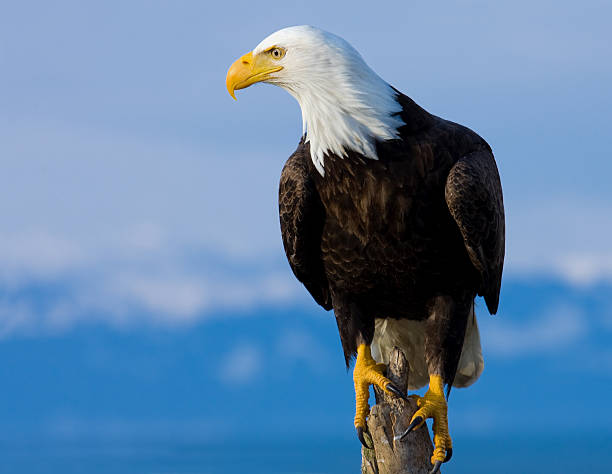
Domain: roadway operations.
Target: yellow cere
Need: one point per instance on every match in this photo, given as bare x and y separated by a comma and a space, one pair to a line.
249, 69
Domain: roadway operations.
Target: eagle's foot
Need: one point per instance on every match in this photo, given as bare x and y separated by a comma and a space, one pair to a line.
433, 405
367, 372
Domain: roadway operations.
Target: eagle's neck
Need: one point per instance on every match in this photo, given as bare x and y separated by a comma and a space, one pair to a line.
346, 110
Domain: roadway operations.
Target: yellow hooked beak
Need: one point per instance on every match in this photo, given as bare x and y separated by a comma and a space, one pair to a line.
248, 70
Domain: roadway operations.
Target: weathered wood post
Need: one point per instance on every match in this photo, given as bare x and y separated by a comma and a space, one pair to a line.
390, 417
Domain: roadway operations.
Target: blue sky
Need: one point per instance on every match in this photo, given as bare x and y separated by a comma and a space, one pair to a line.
128, 171
138, 198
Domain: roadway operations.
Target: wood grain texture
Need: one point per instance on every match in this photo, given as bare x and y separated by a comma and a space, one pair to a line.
389, 417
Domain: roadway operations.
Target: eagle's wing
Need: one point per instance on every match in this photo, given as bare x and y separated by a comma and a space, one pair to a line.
474, 197
302, 217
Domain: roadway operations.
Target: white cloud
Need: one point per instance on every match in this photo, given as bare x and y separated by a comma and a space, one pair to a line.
242, 364
180, 296
566, 237
586, 268
14, 316
300, 345
36, 254
50, 283
124, 297
559, 327
123, 227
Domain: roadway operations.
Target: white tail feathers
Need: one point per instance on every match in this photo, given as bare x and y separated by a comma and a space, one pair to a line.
409, 336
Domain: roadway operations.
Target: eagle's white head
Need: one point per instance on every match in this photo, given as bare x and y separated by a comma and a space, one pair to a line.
345, 104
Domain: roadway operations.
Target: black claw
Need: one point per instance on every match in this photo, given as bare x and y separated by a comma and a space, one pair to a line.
362, 438
436, 467
416, 422
449, 454
396, 391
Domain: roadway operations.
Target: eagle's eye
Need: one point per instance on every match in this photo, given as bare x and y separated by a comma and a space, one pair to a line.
277, 53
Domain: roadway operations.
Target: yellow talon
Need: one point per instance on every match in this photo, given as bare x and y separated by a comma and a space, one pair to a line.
433, 405
367, 372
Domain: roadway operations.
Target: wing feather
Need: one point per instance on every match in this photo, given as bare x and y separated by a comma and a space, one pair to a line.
302, 217
474, 197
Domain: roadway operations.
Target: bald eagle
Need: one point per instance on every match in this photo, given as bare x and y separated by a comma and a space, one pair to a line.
390, 216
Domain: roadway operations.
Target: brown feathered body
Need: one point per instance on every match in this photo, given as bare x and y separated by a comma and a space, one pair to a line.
416, 234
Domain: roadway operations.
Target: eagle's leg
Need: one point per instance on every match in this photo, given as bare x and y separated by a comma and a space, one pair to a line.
367, 372
444, 335
356, 334
433, 405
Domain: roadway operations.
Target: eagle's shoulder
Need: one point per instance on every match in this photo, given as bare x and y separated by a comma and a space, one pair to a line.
441, 135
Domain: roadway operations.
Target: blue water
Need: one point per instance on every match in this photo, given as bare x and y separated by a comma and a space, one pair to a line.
472, 455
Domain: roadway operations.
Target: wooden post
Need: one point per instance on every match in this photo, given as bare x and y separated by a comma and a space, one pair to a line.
390, 417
